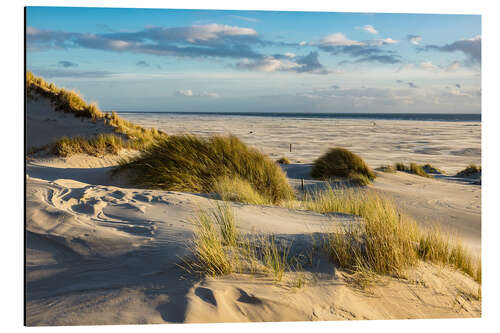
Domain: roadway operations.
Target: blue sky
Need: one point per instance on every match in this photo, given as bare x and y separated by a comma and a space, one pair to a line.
259, 61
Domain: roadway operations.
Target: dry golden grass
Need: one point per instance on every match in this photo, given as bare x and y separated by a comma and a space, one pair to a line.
412, 168
100, 145
196, 164
385, 241
381, 242
220, 249
209, 248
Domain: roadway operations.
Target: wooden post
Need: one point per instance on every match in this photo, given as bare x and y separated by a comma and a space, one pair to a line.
302, 184
290, 147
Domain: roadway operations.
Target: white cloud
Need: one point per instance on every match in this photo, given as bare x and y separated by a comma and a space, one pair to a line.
428, 65
414, 39
339, 39
215, 31
370, 29
190, 93
267, 64
384, 41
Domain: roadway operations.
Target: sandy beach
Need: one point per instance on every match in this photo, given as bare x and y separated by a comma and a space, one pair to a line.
100, 251
447, 145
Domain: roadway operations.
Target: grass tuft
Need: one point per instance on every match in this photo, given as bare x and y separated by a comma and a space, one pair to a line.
413, 168
209, 247
471, 170
387, 168
193, 163
220, 249
431, 169
342, 163
384, 241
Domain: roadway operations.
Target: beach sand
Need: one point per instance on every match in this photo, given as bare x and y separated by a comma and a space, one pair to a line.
100, 251
447, 145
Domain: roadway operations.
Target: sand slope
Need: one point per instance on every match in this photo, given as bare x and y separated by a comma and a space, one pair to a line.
44, 125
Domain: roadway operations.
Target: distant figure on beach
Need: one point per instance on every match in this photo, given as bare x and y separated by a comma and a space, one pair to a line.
373, 123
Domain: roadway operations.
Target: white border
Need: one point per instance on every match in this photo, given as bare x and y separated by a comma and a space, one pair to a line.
11, 195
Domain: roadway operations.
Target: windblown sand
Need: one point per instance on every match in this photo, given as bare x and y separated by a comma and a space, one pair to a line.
102, 252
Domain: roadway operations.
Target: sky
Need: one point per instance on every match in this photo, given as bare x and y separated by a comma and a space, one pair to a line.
259, 61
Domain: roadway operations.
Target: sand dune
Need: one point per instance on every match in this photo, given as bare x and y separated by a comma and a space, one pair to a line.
100, 254
100, 251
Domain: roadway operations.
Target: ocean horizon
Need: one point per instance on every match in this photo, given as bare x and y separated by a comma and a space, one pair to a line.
453, 117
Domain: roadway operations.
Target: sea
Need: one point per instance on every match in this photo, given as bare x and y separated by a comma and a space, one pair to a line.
469, 117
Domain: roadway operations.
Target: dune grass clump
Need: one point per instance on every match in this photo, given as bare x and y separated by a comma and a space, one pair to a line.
283, 160
471, 170
381, 242
344, 164
239, 190
196, 164
384, 241
413, 168
431, 169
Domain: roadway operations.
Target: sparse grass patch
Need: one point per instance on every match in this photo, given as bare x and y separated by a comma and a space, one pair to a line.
413, 168
387, 168
220, 249
471, 170
344, 164
211, 256
283, 160
274, 256
97, 146
193, 163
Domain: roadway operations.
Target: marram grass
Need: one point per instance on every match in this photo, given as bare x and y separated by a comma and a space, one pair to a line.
381, 242
197, 164
344, 164
238, 190
220, 249
470, 170
413, 168
385, 241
